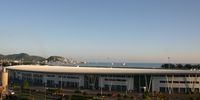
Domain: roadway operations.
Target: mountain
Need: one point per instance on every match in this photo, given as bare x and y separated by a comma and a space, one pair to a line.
29, 59
56, 58
1, 56
22, 56
61, 60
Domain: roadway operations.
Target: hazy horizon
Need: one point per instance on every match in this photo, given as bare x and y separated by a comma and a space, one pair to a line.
114, 30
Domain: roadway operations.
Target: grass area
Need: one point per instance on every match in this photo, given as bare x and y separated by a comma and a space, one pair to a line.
32, 96
51, 94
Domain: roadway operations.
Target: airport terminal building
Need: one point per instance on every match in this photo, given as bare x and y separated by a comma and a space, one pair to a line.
108, 79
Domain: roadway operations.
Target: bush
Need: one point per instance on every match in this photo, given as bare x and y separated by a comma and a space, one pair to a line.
132, 97
125, 96
77, 97
118, 95
160, 96
146, 96
198, 97
98, 94
66, 97
109, 94
77, 91
25, 85
85, 93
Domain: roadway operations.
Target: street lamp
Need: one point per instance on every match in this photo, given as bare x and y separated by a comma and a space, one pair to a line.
101, 86
45, 90
126, 87
168, 62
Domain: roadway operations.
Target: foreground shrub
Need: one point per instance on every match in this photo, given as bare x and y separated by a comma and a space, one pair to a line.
77, 91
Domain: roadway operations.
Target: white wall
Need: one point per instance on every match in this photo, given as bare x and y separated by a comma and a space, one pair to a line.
156, 82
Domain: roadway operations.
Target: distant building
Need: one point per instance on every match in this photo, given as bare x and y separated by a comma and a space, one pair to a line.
112, 79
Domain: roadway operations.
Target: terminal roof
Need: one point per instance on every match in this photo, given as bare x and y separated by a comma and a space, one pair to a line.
98, 70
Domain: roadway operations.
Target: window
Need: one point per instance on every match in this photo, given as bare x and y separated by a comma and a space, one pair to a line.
162, 81
122, 80
175, 90
73, 77
50, 75
175, 81
162, 89
182, 82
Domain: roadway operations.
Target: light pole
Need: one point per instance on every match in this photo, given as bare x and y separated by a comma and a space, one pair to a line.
31, 84
126, 87
61, 82
168, 62
45, 91
79, 82
101, 86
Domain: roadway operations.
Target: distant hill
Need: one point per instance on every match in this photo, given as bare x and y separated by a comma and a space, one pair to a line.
62, 60
1, 56
56, 58
22, 56
26, 58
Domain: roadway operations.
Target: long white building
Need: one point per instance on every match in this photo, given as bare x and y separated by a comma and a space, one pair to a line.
112, 79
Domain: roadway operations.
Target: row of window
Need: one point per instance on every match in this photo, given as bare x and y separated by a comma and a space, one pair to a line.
183, 82
122, 80
37, 75
193, 75
129, 75
72, 77
178, 90
49, 75
115, 87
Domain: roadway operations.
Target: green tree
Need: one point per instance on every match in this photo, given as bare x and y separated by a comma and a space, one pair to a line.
12, 85
146, 96
25, 85
160, 96
166, 66
198, 97
198, 66
188, 66
179, 66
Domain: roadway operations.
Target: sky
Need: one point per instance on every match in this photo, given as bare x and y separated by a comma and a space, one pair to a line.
103, 30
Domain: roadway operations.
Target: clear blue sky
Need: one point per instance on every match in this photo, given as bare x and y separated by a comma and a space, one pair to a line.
99, 30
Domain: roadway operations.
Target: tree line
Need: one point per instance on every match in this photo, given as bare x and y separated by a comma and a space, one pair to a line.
180, 66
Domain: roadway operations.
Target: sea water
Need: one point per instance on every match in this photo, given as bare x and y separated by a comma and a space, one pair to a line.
102, 64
